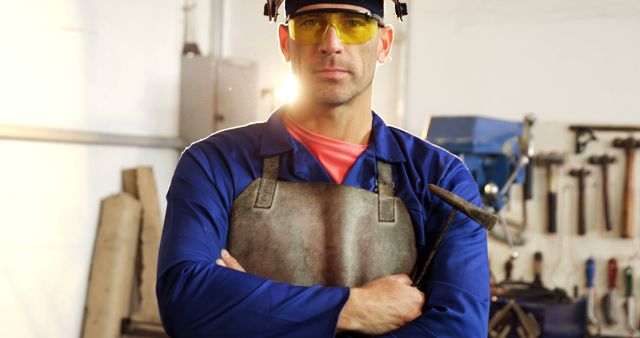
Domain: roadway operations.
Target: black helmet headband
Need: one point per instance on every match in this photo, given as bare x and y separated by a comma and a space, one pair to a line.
375, 6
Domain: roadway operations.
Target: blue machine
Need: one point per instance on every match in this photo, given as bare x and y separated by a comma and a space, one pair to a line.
489, 147
497, 152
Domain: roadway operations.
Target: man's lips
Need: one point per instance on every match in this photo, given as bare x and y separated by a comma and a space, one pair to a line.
332, 72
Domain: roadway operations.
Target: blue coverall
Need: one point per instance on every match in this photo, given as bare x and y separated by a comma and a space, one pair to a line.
198, 298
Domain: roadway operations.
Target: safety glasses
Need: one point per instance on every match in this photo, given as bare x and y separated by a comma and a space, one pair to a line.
352, 27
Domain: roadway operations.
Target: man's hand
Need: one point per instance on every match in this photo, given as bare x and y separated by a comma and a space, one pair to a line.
378, 307
381, 306
228, 261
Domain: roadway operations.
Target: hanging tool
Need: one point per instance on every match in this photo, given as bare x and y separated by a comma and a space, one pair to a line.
604, 161
591, 293
537, 270
508, 269
549, 161
585, 134
630, 145
581, 174
485, 219
527, 148
609, 299
628, 295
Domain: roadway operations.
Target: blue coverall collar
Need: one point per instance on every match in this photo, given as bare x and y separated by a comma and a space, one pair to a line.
277, 140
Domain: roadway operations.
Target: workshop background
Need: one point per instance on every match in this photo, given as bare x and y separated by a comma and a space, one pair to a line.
90, 88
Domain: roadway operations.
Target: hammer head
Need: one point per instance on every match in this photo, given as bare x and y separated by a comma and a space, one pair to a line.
549, 159
603, 160
627, 143
486, 219
580, 172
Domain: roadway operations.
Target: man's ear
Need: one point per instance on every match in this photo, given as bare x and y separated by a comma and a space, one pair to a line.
283, 38
386, 41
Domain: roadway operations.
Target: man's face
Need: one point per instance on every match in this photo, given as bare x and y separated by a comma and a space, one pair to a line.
331, 72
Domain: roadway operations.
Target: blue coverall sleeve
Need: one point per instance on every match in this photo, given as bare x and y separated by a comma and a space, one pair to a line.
198, 298
457, 285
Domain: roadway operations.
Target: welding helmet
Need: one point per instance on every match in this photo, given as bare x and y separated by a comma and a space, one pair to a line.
375, 7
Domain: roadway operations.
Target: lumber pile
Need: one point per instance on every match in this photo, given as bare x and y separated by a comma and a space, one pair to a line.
121, 300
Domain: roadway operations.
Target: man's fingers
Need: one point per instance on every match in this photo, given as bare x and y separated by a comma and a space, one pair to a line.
402, 278
231, 262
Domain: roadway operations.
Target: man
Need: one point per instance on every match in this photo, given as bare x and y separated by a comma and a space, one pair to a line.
324, 206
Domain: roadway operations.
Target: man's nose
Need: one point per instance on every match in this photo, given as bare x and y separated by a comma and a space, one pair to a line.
331, 43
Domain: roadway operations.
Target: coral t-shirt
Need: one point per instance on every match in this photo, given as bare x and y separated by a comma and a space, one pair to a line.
336, 156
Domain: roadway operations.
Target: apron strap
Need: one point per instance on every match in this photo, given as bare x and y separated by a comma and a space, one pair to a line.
268, 182
386, 195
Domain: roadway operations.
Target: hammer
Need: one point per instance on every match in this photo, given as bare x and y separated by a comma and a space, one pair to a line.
549, 161
604, 161
581, 174
486, 220
629, 145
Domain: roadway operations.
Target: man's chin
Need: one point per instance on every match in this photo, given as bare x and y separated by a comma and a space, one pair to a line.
331, 97
332, 100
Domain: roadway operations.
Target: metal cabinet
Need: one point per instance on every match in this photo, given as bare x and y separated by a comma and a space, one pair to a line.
216, 95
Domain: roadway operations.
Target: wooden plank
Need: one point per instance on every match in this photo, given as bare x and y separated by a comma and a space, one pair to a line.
113, 267
145, 190
129, 182
133, 329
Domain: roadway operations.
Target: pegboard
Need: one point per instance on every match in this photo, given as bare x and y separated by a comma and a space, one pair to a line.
565, 253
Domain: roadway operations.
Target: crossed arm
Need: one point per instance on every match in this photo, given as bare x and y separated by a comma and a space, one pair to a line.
378, 307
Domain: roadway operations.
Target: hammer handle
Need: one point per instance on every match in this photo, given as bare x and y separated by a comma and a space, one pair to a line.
582, 218
537, 269
605, 197
627, 210
613, 273
628, 282
528, 181
552, 206
590, 271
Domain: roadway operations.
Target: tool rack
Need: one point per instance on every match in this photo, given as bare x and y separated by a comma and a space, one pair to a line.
585, 134
580, 141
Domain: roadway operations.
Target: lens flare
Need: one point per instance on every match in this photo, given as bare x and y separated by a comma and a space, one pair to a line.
287, 92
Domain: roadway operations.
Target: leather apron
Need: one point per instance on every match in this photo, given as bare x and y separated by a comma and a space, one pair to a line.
321, 234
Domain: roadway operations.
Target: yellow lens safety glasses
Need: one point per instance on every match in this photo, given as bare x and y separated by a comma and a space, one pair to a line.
352, 27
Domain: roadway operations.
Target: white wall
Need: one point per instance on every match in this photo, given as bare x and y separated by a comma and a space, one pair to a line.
109, 66
50, 205
567, 61
62, 59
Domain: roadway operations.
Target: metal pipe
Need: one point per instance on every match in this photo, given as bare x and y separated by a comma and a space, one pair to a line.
37, 134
